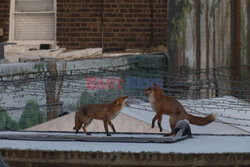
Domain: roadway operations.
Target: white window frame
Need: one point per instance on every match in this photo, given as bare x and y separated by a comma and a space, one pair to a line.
29, 42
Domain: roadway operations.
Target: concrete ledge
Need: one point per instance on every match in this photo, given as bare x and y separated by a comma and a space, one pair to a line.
87, 65
4, 61
16, 158
120, 138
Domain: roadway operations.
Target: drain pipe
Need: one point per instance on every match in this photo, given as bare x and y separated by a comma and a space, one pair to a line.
166, 61
151, 27
102, 33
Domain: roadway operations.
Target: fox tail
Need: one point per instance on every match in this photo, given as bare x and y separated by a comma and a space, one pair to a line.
201, 120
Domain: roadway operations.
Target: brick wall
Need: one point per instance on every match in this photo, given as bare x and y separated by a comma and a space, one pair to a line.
38, 158
111, 23
4, 19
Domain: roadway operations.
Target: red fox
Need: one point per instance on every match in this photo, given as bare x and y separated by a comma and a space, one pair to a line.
106, 112
169, 105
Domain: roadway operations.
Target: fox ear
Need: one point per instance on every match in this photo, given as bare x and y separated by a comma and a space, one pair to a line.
158, 86
155, 86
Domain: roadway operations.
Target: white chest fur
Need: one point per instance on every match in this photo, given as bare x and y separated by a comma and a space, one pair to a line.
151, 100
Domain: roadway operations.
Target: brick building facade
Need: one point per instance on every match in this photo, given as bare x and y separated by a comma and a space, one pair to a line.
4, 19
111, 23
83, 24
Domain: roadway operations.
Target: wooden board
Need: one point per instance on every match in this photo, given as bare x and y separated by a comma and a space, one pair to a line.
133, 138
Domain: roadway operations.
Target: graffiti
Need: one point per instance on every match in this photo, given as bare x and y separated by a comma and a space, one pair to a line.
128, 83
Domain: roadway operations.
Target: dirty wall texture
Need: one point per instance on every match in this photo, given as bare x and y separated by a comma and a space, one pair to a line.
215, 37
111, 23
4, 19
215, 33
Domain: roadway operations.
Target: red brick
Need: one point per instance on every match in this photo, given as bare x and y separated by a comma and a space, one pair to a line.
125, 23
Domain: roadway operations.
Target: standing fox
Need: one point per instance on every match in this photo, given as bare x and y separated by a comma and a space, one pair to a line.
169, 105
106, 112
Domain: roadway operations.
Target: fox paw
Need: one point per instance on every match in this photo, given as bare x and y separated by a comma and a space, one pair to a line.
160, 129
89, 134
108, 134
152, 126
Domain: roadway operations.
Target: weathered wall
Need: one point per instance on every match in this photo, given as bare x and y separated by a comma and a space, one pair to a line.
111, 23
4, 19
35, 158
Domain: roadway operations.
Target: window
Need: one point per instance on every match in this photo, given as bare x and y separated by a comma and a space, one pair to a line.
33, 20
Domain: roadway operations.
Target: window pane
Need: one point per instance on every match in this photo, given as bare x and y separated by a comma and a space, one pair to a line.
35, 26
34, 5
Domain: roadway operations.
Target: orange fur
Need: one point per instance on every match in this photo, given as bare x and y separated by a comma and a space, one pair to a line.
106, 112
170, 106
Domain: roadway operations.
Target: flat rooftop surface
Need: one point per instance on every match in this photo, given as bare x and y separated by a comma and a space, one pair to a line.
196, 144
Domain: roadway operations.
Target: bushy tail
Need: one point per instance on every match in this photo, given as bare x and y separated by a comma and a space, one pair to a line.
200, 120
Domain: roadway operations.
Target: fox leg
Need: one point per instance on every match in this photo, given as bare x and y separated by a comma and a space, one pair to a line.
106, 128
112, 126
155, 118
85, 126
77, 127
172, 122
159, 122
78, 124
171, 133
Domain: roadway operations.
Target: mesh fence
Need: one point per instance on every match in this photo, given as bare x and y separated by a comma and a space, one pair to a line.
44, 96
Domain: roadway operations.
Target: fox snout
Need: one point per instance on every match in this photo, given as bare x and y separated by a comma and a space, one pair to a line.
122, 101
148, 91
125, 101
